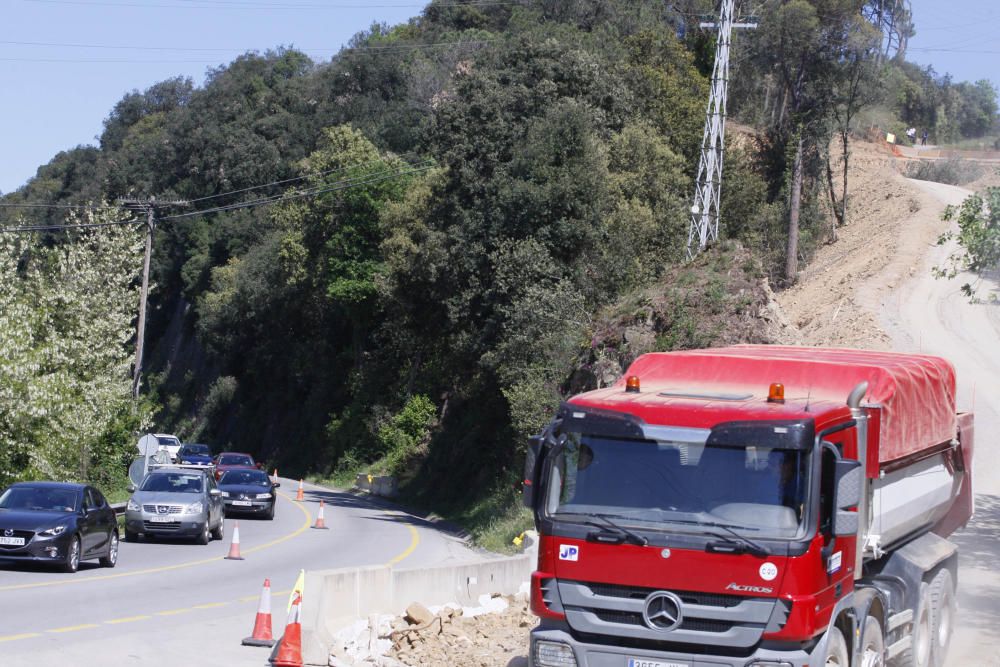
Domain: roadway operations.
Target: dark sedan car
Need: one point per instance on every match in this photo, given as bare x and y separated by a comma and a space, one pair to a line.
250, 491
57, 523
199, 455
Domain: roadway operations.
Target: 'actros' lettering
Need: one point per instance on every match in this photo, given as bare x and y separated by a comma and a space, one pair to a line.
749, 589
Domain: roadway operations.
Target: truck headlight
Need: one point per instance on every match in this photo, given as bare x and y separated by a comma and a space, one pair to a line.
195, 508
132, 506
554, 654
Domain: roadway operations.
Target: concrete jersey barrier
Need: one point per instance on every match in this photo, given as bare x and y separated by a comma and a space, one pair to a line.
333, 599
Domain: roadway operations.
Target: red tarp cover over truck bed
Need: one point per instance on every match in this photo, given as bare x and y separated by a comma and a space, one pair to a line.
916, 392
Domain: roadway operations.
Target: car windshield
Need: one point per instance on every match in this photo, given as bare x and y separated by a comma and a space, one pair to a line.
648, 484
168, 442
175, 482
245, 477
195, 450
39, 499
235, 460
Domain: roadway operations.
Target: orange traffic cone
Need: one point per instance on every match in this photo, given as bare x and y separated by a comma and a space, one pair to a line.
319, 518
298, 496
290, 649
234, 546
262, 623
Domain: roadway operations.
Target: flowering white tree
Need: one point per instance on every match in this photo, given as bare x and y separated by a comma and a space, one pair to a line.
67, 316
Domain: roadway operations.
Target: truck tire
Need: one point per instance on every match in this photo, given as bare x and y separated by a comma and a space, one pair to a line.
919, 652
943, 615
836, 650
873, 644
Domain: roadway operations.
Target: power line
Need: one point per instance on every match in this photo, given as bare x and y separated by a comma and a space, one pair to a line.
55, 228
297, 178
42, 205
342, 185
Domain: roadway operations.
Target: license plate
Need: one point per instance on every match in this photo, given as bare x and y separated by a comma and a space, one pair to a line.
242, 503
12, 541
161, 519
642, 662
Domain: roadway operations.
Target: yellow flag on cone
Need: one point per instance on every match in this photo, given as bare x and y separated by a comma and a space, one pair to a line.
299, 587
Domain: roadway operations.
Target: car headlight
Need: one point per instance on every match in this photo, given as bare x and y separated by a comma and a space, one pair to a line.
263, 496
132, 506
195, 508
225, 494
54, 531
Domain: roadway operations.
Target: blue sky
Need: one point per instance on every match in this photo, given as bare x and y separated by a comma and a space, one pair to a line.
960, 37
55, 96
65, 63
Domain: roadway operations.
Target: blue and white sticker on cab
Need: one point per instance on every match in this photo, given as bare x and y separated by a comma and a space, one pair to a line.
569, 552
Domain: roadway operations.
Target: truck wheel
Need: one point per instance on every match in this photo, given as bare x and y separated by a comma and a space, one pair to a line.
943, 613
919, 652
836, 650
872, 644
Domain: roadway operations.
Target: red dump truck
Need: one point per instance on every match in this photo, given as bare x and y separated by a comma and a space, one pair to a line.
752, 506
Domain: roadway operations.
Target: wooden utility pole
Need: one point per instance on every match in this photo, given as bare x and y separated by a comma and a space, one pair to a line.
150, 206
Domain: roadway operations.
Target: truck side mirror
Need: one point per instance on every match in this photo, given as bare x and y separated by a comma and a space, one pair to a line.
531, 471
850, 480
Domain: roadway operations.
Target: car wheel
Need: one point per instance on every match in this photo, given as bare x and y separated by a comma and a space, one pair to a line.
131, 536
72, 563
111, 559
206, 536
220, 532
270, 513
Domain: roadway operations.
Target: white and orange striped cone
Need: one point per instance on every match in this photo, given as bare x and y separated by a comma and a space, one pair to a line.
234, 546
261, 635
289, 653
274, 477
320, 524
298, 496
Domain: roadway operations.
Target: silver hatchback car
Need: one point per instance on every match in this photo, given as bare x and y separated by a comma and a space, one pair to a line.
176, 501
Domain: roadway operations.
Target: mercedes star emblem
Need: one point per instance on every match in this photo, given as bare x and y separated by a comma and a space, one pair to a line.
662, 611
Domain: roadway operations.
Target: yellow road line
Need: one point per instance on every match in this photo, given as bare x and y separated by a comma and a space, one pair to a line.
128, 619
209, 605
414, 541
74, 628
23, 635
173, 612
166, 568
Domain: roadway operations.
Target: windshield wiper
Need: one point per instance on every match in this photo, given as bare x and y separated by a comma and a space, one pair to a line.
752, 547
627, 534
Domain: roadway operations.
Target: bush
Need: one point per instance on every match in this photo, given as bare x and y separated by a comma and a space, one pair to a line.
401, 437
952, 172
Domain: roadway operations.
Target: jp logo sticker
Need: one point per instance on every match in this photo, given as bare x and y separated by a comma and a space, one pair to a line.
768, 571
569, 552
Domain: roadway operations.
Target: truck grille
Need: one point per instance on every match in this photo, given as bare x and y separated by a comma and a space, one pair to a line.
717, 619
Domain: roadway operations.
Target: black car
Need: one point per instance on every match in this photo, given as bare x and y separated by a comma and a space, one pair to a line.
248, 490
59, 523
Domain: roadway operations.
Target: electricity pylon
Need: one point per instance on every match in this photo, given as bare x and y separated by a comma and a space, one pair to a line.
704, 227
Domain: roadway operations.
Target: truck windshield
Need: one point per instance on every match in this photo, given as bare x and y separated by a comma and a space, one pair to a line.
651, 484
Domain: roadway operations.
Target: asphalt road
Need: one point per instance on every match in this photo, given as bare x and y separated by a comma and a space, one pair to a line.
932, 316
179, 603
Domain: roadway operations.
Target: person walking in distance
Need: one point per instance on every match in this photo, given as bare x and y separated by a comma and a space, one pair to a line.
923, 138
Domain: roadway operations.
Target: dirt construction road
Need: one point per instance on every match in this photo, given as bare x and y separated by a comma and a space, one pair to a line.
931, 315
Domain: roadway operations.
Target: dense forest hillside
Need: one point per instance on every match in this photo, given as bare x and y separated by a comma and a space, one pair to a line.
404, 257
